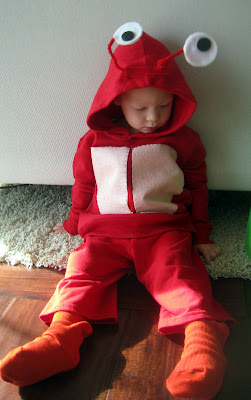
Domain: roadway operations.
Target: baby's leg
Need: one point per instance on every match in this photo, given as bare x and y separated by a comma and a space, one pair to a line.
174, 274
200, 371
57, 350
90, 281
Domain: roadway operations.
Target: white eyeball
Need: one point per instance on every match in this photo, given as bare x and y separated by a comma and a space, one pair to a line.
200, 49
128, 33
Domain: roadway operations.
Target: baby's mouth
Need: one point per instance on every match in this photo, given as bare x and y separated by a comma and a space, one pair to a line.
147, 129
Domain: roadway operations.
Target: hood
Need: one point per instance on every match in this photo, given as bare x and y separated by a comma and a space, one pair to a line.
135, 66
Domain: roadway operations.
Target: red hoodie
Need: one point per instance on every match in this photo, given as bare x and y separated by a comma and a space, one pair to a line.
138, 185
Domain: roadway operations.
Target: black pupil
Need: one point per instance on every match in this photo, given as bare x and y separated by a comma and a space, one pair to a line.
204, 44
127, 36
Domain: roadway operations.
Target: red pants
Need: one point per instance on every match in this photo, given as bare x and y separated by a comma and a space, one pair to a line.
167, 264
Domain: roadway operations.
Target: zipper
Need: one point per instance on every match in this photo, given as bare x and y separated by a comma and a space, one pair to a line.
129, 183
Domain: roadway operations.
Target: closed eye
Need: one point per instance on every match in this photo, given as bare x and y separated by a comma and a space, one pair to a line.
144, 108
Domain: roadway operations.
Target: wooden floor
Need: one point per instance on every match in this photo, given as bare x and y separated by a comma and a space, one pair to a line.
129, 361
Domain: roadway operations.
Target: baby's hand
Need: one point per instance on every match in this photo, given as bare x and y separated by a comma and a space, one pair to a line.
209, 251
59, 228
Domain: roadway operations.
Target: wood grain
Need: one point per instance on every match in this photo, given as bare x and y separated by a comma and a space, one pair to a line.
18, 281
127, 361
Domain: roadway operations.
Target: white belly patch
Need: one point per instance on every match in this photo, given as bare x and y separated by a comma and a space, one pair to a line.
156, 178
110, 170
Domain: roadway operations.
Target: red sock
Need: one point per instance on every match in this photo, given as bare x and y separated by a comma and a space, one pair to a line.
57, 350
201, 369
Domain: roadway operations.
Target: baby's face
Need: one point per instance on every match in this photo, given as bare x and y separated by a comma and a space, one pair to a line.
146, 109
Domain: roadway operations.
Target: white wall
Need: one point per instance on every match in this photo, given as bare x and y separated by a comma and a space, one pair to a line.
53, 56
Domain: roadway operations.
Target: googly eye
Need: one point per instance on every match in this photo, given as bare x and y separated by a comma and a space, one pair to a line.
200, 49
128, 33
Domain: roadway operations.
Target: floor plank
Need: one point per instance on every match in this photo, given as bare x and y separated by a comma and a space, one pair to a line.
20, 324
247, 290
5, 301
150, 358
137, 298
231, 295
130, 360
37, 283
237, 382
9, 392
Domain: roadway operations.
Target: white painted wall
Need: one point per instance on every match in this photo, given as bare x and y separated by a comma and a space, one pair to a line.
53, 57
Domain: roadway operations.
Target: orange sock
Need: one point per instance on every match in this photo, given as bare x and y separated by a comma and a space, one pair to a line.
57, 350
201, 369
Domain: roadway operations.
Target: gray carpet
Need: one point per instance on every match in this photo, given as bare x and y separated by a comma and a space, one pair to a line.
29, 212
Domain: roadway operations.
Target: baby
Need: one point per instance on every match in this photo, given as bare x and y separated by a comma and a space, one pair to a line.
139, 199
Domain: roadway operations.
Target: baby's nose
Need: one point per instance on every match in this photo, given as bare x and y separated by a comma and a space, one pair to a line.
152, 115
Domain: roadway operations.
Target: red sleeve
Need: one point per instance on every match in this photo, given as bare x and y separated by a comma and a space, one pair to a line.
196, 182
83, 188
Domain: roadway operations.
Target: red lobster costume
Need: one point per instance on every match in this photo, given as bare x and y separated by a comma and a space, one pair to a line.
139, 200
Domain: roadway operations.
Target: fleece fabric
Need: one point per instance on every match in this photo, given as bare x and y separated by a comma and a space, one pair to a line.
166, 264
